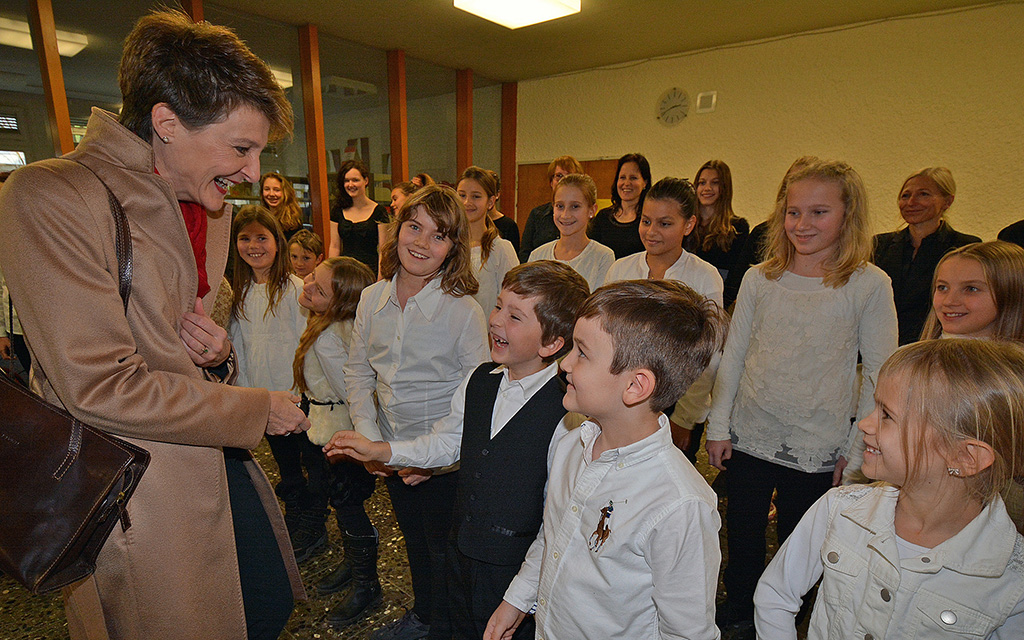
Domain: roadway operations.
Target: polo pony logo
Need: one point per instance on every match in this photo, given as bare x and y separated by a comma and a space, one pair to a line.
602, 532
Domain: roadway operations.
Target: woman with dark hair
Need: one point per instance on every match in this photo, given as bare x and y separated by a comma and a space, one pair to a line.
721, 234
278, 195
618, 226
357, 223
207, 554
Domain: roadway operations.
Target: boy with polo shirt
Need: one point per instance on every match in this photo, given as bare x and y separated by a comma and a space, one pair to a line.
629, 546
505, 418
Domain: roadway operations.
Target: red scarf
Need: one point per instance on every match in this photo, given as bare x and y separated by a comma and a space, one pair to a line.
195, 223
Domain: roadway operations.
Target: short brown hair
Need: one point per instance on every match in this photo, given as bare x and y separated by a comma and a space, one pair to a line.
569, 163
308, 241
445, 208
559, 291
201, 71
660, 325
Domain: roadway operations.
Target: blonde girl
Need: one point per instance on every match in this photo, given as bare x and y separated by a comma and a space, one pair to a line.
399, 194
331, 293
418, 332
928, 551
721, 234
492, 255
278, 195
266, 324
574, 204
978, 292
780, 415
305, 251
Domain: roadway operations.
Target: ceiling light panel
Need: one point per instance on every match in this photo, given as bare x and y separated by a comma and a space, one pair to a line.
519, 13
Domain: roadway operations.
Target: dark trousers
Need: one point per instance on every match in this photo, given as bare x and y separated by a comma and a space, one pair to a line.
304, 473
475, 590
424, 514
266, 590
749, 484
350, 485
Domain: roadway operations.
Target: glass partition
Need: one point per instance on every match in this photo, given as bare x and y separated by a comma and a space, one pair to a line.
487, 123
430, 98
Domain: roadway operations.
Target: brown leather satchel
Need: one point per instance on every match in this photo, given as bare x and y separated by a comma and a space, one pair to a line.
65, 484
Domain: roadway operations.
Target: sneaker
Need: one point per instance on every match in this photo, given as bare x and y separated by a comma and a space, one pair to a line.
408, 627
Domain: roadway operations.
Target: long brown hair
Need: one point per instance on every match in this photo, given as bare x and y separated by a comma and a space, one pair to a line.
288, 212
243, 276
718, 229
348, 279
487, 182
443, 206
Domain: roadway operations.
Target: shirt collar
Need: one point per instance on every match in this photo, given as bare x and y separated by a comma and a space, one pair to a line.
427, 300
982, 548
630, 454
531, 384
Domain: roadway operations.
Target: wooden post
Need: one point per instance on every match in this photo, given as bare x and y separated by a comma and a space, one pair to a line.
44, 41
399, 117
509, 120
463, 119
194, 9
316, 145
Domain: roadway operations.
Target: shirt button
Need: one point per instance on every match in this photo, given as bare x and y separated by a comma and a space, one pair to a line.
621, 465
484, 452
948, 617
555, 555
542, 602
477, 475
886, 596
575, 508
926, 559
832, 557
868, 636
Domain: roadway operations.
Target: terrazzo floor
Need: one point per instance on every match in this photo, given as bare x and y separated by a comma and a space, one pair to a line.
24, 616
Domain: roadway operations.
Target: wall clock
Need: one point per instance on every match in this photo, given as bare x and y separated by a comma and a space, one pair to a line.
673, 106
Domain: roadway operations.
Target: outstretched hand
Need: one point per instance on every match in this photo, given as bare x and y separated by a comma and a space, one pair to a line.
357, 446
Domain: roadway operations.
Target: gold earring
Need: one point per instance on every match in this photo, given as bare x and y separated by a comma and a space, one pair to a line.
165, 139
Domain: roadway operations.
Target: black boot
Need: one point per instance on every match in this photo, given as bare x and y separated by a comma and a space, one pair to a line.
310, 534
365, 592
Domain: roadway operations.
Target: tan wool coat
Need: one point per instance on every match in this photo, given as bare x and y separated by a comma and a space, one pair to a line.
174, 573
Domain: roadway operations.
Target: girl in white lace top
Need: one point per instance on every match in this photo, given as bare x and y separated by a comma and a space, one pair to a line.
780, 416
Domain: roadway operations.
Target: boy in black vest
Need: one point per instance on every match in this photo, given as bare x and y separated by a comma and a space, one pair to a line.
629, 546
504, 421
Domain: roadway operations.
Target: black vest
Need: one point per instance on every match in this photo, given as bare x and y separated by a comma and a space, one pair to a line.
500, 504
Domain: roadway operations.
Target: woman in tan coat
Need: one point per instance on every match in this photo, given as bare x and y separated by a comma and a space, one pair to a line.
207, 555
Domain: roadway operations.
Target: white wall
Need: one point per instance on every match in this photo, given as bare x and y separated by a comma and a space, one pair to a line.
889, 98
432, 137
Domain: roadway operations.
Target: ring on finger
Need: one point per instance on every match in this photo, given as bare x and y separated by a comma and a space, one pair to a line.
205, 351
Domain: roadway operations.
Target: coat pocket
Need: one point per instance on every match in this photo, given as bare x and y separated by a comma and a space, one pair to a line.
941, 617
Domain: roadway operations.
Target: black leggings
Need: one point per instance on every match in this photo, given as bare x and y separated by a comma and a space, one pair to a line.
266, 589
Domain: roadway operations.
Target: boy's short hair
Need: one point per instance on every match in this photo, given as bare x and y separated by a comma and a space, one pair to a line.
309, 241
659, 325
559, 291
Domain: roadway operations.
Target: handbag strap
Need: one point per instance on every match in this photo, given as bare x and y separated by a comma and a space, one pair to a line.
122, 241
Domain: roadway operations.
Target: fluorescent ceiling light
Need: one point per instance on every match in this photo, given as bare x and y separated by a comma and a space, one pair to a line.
15, 33
284, 78
519, 13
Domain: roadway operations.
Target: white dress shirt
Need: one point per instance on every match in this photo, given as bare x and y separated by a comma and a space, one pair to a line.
442, 446
502, 258
265, 343
323, 370
405, 364
592, 263
656, 573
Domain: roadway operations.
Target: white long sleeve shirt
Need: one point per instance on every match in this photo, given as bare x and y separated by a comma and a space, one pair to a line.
656, 572
592, 263
324, 372
490, 274
265, 343
875, 585
405, 364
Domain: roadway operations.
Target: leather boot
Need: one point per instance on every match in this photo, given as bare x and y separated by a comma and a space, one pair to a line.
310, 535
365, 591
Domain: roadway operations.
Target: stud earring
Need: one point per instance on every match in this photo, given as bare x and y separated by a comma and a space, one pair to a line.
953, 472
165, 139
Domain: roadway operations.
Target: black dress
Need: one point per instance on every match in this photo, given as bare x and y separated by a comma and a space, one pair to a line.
621, 237
912, 274
726, 261
509, 230
359, 239
540, 229
1013, 233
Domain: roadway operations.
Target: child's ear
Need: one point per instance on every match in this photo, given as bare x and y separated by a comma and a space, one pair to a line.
550, 349
320, 258
640, 389
972, 457
689, 225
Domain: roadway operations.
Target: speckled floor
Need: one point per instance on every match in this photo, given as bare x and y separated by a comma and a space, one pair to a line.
24, 616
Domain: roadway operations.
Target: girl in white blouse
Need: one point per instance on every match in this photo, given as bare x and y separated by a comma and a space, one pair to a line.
780, 414
418, 333
492, 255
575, 203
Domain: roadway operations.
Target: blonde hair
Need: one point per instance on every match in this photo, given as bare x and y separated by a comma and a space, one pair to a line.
853, 248
443, 206
718, 230
1003, 266
584, 183
489, 184
242, 277
941, 176
288, 212
963, 389
348, 279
